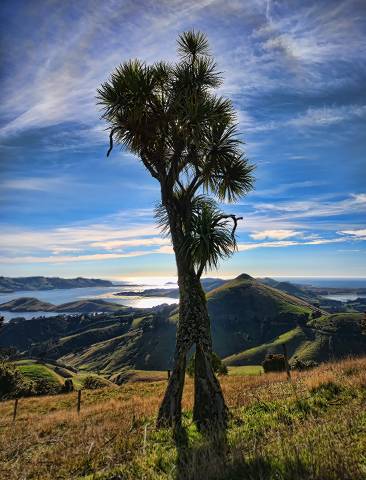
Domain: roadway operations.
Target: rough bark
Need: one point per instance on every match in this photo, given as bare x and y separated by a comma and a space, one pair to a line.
193, 329
210, 410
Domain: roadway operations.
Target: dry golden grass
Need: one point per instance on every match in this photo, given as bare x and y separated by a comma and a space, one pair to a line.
50, 441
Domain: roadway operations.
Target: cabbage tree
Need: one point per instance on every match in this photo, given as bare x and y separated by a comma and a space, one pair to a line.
185, 135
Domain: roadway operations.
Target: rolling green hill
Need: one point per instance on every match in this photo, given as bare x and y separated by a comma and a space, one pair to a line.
14, 284
249, 320
330, 336
30, 304
246, 313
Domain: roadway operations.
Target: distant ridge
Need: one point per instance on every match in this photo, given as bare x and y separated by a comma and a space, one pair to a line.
10, 284
249, 320
29, 304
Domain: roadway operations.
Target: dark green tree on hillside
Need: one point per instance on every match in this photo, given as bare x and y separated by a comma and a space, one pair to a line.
186, 137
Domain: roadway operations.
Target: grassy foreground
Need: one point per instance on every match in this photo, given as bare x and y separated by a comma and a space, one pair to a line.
311, 428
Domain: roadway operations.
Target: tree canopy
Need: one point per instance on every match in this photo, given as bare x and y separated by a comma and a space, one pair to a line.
187, 138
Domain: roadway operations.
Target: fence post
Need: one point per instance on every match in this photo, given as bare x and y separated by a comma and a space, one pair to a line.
15, 409
288, 371
79, 401
145, 438
168, 374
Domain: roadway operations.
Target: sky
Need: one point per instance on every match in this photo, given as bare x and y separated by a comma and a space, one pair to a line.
296, 73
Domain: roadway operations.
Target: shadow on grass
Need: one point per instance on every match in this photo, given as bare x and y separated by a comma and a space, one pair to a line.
206, 456
195, 454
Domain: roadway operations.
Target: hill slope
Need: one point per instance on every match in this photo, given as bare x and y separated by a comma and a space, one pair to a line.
29, 304
249, 319
312, 428
245, 313
9, 284
331, 336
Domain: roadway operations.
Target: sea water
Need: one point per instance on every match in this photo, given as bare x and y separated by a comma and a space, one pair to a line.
136, 284
60, 296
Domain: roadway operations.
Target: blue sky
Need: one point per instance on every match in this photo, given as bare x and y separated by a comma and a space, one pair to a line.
296, 72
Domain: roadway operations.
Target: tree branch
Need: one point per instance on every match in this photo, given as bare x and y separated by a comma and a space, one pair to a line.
200, 270
113, 131
234, 218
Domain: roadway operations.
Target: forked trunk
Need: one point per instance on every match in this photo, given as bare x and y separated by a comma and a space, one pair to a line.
193, 329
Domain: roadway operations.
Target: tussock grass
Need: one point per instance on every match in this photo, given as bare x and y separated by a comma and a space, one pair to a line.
311, 428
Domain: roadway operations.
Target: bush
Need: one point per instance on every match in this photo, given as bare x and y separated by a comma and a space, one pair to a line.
218, 367
42, 386
12, 382
93, 383
274, 363
316, 314
68, 386
304, 365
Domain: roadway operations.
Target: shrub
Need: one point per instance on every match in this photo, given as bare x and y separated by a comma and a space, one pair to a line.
316, 314
93, 383
274, 363
218, 366
68, 386
42, 386
12, 382
304, 365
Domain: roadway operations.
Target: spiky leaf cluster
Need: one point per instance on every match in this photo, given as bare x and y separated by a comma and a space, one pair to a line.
185, 135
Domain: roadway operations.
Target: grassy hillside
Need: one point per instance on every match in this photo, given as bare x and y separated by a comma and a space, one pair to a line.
330, 336
313, 428
246, 313
148, 344
249, 320
56, 375
13, 284
39, 371
30, 304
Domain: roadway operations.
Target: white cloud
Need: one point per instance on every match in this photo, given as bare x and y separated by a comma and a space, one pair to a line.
275, 234
57, 82
136, 242
312, 118
357, 233
317, 207
74, 258
288, 243
42, 184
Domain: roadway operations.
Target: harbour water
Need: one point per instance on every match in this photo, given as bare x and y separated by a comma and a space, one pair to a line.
60, 296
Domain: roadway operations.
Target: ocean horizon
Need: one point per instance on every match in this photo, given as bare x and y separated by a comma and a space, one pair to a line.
131, 284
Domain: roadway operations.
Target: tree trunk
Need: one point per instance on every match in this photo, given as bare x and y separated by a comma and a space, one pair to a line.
210, 410
193, 328
170, 410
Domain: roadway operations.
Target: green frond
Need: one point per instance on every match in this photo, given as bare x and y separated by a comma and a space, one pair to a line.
210, 237
193, 43
233, 179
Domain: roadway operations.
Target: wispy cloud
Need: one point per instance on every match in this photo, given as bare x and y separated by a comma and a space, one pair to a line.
289, 243
275, 234
317, 208
41, 184
312, 118
358, 233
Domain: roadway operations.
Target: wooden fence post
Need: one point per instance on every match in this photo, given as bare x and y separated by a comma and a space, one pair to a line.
168, 374
15, 409
79, 401
145, 438
288, 371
